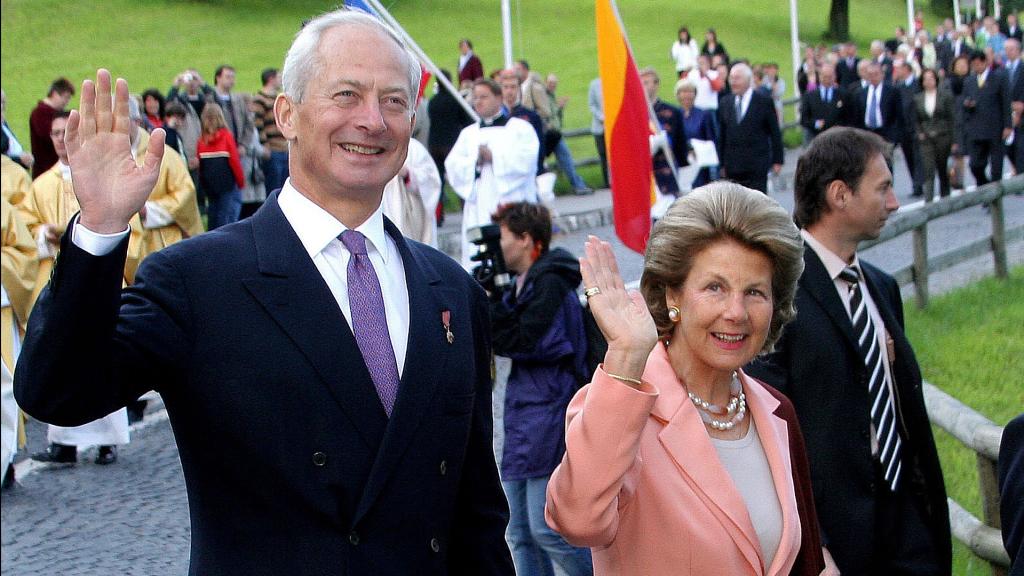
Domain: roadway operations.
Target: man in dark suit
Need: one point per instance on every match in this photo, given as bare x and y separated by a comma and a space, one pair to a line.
986, 101
879, 107
1015, 81
825, 106
1010, 28
846, 364
905, 82
1011, 491
846, 67
670, 119
750, 143
328, 381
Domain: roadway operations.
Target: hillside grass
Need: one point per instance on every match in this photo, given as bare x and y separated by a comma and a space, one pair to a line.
970, 344
149, 42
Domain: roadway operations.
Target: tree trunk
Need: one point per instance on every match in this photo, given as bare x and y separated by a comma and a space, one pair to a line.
839, 21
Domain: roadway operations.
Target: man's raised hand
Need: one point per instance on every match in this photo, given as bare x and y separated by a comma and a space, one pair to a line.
110, 186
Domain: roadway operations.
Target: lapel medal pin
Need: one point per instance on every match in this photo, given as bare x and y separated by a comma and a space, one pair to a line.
446, 320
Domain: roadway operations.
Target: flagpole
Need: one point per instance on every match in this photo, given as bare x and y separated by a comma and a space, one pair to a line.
383, 13
506, 31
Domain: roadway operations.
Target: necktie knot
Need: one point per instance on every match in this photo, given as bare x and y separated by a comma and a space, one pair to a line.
850, 274
354, 241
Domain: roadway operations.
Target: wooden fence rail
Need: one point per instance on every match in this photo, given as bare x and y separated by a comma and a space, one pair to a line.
979, 434
916, 221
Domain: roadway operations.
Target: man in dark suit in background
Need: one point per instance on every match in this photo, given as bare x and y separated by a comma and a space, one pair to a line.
879, 107
1014, 68
904, 81
986, 101
846, 66
846, 364
1011, 491
824, 107
328, 381
750, 142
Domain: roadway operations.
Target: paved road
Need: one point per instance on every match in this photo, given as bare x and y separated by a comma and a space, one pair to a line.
132, 517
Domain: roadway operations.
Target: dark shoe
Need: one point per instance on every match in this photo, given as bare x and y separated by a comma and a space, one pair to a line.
107, 455
57, 454
136, 410
585, 191
8, 481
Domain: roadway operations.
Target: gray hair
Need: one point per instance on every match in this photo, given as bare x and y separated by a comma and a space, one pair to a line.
302, 60
744, 69
714, 213
134, 110
686, 84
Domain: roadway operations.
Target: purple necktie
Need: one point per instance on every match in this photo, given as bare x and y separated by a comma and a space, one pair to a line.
369, 324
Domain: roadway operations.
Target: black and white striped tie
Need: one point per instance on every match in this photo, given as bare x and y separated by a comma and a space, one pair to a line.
883, 412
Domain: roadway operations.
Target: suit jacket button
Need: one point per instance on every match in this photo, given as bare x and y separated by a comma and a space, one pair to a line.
353, 538
444, 467
435, 545
319, 458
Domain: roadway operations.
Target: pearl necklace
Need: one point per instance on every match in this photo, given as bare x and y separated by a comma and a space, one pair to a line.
735, 410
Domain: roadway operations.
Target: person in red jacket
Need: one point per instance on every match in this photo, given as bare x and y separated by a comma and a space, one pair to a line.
220, 171
57, 98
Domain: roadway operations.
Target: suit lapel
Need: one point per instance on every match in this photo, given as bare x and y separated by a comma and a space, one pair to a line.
294, 294
816, 281
686, 441
424, 359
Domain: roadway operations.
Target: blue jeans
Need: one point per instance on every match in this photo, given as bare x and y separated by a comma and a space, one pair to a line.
224, 209
275, 171
534, 544
565, 162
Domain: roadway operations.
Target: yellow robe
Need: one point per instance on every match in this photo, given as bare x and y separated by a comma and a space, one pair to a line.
52, 201
176, 194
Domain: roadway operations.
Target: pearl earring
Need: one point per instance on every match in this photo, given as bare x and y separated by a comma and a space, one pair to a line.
673, 314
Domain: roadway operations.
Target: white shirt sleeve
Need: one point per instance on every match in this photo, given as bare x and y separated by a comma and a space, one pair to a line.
157, 216
93, 242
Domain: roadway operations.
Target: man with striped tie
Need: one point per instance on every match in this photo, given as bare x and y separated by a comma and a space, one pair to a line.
846, 364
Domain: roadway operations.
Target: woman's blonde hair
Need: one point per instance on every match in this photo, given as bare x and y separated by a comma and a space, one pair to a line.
713, 213
212, 119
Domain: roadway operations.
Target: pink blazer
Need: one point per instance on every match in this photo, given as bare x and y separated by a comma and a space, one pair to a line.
642, 485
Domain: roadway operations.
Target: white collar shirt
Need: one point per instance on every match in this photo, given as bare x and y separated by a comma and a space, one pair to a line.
834, 265
745, 103
318, 232
876, 93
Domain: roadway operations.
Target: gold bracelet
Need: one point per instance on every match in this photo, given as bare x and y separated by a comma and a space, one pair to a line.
626, 379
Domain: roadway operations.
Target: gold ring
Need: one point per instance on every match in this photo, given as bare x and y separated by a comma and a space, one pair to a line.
592, 291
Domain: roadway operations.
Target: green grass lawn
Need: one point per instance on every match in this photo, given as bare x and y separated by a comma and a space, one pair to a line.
149, 42
970, 344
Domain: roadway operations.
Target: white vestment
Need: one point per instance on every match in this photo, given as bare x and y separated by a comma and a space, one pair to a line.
411, 202
8, 406
509, 177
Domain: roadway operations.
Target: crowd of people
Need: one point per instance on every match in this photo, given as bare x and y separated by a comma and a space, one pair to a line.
758, 410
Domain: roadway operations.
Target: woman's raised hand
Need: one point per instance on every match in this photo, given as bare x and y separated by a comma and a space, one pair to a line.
622, 315
110, 186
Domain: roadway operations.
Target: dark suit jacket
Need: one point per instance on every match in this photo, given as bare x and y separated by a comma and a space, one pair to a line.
940, 125
1011, 489
891, 108
991, 110
817, 365
814, 108
753, 145
291, 465
845, 74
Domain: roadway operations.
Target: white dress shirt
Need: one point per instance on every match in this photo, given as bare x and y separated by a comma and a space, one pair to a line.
876, 93
318, 232
834, 265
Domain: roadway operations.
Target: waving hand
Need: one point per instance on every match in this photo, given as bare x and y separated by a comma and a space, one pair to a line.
110, 186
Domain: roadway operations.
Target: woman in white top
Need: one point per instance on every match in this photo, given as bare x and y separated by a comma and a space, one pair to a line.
684, 52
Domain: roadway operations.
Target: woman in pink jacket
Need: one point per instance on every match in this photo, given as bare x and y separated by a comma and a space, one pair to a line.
677, 462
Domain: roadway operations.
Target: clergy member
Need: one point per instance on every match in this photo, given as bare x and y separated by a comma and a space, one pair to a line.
493, 162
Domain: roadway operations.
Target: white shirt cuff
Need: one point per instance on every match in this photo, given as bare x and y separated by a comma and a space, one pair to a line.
95, 243
157, 216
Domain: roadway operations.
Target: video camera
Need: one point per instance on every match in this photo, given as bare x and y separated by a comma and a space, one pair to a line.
492, 273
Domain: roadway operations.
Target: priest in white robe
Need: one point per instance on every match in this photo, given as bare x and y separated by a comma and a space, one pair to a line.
493, 162
410, 198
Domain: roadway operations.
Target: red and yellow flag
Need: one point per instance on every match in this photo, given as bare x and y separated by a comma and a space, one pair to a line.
626, 130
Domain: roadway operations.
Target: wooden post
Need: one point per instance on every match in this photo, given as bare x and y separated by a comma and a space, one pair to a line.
999, 237
921, 265
988, 482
